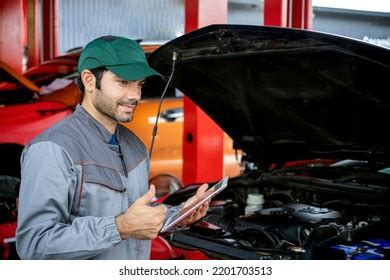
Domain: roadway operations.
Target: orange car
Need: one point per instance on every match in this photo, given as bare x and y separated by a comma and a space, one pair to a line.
53, 80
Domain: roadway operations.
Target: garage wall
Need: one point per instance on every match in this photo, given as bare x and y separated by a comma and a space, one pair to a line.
82, 21
11, 33
241, 13
352, 23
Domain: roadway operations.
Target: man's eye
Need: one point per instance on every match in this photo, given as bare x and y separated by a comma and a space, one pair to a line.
123, 82
141, 84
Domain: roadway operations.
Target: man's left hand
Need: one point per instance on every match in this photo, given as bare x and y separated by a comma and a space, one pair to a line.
200, 212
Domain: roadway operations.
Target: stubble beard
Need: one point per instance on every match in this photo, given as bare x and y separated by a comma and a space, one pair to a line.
108, 108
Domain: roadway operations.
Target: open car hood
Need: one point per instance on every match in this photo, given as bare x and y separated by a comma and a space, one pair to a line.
286, 94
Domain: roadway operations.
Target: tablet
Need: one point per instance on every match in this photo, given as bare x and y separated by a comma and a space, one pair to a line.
188, 210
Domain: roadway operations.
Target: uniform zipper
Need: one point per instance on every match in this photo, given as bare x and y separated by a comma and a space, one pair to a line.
122, 160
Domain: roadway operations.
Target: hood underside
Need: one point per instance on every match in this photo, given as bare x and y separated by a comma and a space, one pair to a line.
285, 94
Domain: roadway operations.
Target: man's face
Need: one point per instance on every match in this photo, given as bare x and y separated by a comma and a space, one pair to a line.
117, 98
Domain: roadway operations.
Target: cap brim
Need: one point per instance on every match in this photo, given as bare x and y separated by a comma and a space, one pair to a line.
133, 72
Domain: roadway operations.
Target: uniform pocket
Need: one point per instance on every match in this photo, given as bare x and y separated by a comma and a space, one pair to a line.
106, 177
103, 192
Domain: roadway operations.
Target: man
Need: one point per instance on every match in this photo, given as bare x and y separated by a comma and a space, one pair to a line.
84, 191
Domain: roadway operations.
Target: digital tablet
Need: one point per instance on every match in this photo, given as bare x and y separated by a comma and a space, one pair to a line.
188, 210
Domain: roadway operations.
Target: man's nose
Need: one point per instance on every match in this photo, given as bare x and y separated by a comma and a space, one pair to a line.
133, 92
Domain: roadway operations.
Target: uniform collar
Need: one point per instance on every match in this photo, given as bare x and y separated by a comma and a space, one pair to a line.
94, 126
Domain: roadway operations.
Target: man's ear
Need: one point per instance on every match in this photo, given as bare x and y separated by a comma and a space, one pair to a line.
89, 80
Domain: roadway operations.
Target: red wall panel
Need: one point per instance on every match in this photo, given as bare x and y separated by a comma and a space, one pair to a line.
203, 144
11, 33
289, 13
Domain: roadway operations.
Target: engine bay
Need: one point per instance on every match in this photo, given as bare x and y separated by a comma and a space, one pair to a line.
290, 223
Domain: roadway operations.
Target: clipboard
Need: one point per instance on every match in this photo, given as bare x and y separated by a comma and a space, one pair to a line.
188, 210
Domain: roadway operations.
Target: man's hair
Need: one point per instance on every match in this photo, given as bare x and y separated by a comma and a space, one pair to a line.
98, 73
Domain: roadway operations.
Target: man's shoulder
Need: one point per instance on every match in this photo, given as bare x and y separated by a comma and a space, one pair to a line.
59, 132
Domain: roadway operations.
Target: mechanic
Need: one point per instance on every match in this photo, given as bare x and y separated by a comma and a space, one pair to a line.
84, 190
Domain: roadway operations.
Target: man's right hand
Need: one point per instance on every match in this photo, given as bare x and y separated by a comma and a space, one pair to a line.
141, 221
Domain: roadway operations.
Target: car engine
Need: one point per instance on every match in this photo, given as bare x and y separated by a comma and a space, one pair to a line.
290, 224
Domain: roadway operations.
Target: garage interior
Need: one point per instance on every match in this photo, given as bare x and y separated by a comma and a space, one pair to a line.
34, 33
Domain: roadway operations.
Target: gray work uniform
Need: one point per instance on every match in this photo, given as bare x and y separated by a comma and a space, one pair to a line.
73, 185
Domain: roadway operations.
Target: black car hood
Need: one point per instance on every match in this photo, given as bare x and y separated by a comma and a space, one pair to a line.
286, 94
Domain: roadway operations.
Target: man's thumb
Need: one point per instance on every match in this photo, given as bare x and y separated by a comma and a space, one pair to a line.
148, 196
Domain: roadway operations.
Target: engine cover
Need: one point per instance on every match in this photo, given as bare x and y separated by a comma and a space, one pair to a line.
301, 212
291, 222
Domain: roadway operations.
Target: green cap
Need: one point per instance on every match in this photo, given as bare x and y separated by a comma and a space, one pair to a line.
122, 56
